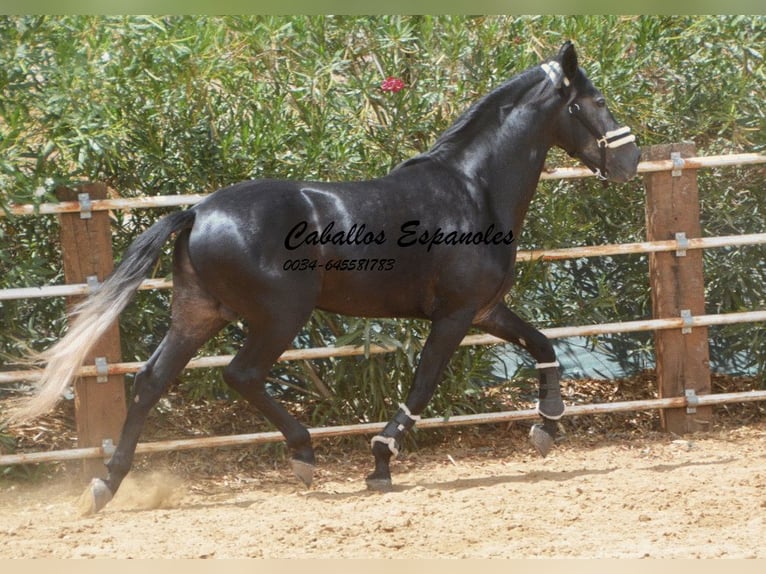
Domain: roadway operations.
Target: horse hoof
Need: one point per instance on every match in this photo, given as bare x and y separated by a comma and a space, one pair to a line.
303, 470
379, 484
541, 440
95, 497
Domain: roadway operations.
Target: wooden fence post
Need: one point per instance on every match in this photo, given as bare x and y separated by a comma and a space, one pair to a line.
677, 287
86, 244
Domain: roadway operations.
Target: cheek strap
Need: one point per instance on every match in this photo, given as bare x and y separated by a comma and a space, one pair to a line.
610, 140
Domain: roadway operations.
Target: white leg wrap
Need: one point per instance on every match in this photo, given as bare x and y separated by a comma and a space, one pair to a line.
389, 440
547, 365
537, 408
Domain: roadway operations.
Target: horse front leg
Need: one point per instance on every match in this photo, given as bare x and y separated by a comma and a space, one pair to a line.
504, 323
444, 338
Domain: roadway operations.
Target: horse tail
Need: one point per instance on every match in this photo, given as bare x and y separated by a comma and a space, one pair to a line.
92, 317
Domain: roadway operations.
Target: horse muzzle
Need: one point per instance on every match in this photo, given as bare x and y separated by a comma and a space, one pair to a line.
622, 165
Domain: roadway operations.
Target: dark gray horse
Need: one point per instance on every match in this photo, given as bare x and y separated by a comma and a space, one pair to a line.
433, 239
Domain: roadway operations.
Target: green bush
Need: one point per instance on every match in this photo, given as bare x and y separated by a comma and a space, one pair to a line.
175, 105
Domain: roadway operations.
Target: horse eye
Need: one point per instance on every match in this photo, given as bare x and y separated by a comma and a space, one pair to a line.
601, 102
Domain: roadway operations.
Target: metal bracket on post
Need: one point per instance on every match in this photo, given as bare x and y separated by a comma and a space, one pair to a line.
686, 315
692, 400
102, 370
107, 449
93, 283
682, 244
678, 163
86, 206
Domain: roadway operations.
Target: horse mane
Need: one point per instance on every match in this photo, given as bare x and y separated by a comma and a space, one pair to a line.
486, 109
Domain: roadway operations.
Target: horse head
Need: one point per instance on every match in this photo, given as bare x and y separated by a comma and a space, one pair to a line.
586, 129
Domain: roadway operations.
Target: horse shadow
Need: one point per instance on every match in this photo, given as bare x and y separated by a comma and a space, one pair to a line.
521, 477
456, 485
460, 484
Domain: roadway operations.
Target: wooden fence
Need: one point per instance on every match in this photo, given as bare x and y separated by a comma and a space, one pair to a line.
673, 245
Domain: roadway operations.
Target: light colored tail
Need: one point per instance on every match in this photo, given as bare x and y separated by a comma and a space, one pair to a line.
94, 316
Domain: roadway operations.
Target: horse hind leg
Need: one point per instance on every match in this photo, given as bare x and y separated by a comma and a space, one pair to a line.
195, 318
176, 349
247, 374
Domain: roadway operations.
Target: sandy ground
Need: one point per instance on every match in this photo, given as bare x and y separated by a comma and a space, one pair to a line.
656, 496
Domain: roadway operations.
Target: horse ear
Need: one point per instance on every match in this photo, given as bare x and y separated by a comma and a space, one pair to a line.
568, 58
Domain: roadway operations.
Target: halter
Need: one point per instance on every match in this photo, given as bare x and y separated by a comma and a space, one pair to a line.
610, 140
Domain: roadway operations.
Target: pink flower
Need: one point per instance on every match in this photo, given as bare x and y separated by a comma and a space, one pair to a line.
392, 84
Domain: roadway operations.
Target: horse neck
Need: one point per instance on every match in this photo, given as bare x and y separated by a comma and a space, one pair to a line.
504, 165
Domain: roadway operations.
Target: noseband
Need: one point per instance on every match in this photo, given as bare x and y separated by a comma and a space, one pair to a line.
610, 140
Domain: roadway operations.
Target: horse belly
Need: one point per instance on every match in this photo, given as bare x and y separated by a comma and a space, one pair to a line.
372, 296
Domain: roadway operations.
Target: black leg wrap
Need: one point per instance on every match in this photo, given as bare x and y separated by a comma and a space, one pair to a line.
402, 422
392, 433
550, 404
386, 444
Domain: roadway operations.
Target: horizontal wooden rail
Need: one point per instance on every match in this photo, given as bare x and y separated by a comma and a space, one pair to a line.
640, 247
711, 161
369, 428
352, 350
529, 255
126, 203
148, 202
70, 290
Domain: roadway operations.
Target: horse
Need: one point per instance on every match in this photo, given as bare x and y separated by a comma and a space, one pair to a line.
434, 239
